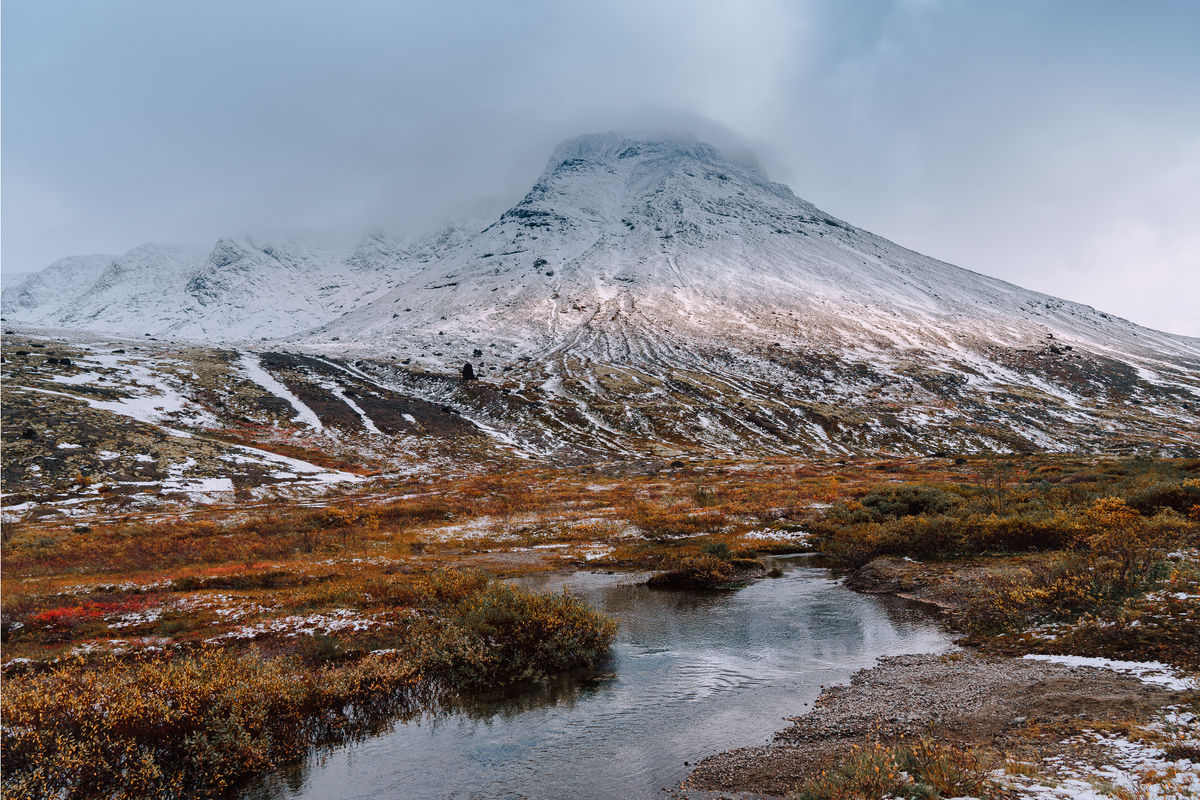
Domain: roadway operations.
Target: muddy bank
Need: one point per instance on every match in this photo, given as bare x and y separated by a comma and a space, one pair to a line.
1017, 706
944, 585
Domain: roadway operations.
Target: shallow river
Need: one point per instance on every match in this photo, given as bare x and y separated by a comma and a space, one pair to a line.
691, 674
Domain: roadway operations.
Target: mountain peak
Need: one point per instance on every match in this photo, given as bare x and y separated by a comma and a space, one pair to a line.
614, 144
618, 146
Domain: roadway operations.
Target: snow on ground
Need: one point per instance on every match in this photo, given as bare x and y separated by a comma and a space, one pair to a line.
1151, 672
593, 553
153, 397
767, 534
297, 467
1138, 769
341, 619
338, 392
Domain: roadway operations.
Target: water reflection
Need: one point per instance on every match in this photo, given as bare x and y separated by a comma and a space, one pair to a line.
689, 675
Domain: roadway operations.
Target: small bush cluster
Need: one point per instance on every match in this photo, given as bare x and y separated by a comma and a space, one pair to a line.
699, 571
1181, 497
1115, 554
671, 521
928, 522
715, 566
502, 635
908, 500
923, 770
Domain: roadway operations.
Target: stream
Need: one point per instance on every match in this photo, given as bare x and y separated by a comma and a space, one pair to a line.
690, 674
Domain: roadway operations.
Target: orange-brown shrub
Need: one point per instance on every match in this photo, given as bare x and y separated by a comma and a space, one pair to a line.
180, 727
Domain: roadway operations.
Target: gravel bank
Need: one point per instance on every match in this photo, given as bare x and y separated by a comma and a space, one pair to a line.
1012, 704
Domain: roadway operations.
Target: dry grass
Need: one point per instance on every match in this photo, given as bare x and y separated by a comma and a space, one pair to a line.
920, 770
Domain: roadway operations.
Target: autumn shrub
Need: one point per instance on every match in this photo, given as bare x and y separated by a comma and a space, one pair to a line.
1061, 589
182, 727
334, 517
1117, 556
426, 509
266, 579
698, 571
71, 616
719, 549
1127, 543
191, 725
924, 770
502, 635
1113, 530
909, 500
1180, 497
918, 536
665, 522
937, 769
867, 774
446, 587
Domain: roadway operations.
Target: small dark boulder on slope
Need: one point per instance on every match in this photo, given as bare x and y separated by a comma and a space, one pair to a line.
468, 372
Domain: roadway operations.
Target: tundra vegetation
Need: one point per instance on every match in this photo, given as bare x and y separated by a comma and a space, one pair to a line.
176, 654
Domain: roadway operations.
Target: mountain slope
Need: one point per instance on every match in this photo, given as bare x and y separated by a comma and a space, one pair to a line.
42, 293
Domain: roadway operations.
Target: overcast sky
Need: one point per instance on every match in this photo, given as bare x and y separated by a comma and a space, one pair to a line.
1053, 144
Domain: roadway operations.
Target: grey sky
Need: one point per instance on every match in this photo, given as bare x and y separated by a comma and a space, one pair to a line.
1053, 144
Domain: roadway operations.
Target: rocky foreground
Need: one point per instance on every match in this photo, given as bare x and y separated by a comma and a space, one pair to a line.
1066, 720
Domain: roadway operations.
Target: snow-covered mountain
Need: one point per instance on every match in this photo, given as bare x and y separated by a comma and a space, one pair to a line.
242, 289
42, 293
667, 236
649, 293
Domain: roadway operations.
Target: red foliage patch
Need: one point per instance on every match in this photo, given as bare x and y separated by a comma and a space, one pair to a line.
70, 616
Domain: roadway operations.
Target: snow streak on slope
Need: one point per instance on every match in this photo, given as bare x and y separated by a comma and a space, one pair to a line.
256, 373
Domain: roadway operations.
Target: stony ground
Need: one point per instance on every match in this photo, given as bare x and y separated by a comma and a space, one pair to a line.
1035, 712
